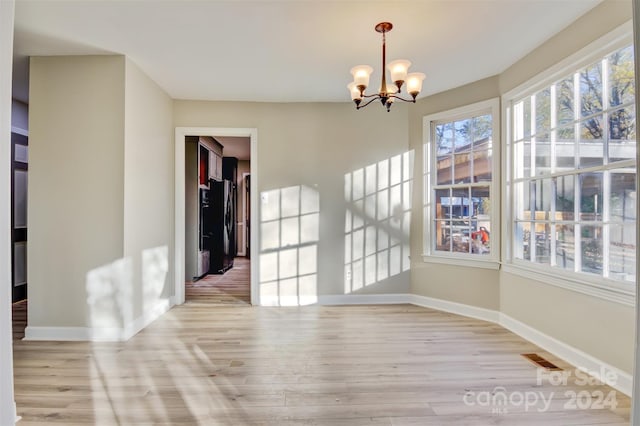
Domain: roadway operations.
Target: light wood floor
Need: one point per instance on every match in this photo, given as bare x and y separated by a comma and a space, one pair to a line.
347, 365
231, 288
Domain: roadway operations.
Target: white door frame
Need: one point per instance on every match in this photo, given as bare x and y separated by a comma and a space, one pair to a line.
179, 224
244, 214
7, 404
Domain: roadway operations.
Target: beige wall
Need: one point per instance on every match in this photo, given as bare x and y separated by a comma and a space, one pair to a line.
76, 180
603, 329
148, 190
471, 286
313, 145
100, 198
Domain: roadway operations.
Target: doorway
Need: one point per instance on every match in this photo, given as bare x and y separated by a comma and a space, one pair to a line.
19, 175
217, 270
194, 262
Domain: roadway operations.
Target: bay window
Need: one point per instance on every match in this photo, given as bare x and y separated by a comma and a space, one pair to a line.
572, 179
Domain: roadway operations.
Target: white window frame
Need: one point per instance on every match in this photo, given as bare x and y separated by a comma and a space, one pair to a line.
430, 255
605, 288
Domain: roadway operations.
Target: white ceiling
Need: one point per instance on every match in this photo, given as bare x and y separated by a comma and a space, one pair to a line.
233, 146
289, 50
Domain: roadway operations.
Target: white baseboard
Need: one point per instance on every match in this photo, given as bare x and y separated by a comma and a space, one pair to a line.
456, 308
336, 299
288, 301
364, 299
66, 333
102, 334
604, 372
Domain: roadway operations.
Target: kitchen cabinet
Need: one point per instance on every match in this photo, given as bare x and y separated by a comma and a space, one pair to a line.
215, 166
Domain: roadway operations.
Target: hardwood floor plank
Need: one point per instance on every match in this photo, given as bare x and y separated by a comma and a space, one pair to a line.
19, 318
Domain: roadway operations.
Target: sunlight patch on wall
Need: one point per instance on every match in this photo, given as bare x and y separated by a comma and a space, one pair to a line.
110, 297
377, 221
155, 267
289, 229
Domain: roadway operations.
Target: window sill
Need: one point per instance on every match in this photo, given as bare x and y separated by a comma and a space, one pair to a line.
601, 291
467, 262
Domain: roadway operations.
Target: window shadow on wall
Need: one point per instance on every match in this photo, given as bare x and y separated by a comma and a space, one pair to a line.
377, 221
289, 229
112, 293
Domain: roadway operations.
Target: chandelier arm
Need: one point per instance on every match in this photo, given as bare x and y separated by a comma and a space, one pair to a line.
376, 97
371, 96
403, 99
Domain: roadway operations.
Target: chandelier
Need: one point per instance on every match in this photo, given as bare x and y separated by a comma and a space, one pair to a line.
386, 94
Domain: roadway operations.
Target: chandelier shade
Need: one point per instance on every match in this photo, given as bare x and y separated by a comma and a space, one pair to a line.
361, 74
399, 73
414, 83
399, 69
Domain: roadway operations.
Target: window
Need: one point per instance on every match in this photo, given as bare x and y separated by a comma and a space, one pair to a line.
573, 171
460, 170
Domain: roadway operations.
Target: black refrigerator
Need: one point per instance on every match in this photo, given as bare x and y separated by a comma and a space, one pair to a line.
221, 226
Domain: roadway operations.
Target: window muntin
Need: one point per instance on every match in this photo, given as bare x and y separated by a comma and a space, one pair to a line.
573, 171
459, 217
